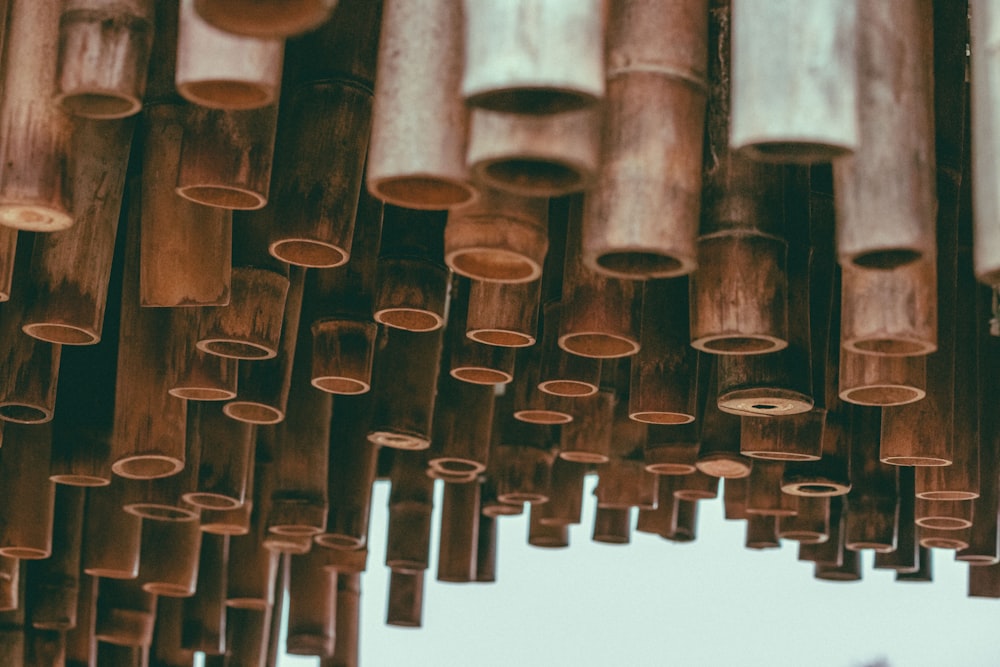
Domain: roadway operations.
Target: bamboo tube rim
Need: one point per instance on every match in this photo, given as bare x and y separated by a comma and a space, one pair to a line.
584, 457
60, 333
411, 319
501, 337
159, 512
24, 553
451, 465
814, 488
543, 416
943, 522
480, 262
479, 375
99, 103
223, 196
724, 464
202, 393
437, 191
944, 542
343, 384
147, 466
77, 479
34, 216
253, 413
235, 349
22, 413
727, 344
661, 417
569, 388
770, 401
598, 345
211, 501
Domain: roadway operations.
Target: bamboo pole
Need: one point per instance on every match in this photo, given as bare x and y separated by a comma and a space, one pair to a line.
405, 605
411, 502
225, 460
587, 439
54, 583
111, 536
26, 492
459, 534
267, 18
168, 563
524, 454
81, 646
924, 569
612, 525
810, 524
672, 450
658, 520
944, 514
849, 570
984, 582
11, 598
503, 314
545, 536
486, 548
249, 326
719, 454
565, 505
938, 538
762, 532
872, 503
764, 494
345, 653
126, 614
873, 379
204, 613
119, 655
167, 649
734, 496
530, 403
312, 606
468, 359
253, 567
463, 421
696, 486
246, 636
796, 437
202, 376
905, 557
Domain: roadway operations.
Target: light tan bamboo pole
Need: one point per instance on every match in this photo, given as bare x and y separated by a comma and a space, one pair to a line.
612, 525
405, 604
267, 18
167, 649
985, 25
28, 494
312, 606
220, 70
459, 534
671, 449
71, 270
353, 466
202, 376
246, 636
905, 557
411, 502
874, 379
797, 55
503, 314
226, 457
126, 614
530, 403
111, 535
546, 536
534, 57
419, 123
104, 52
810, 524
719, 454
252, 567
81, 646
796, 437
872, 503
54, 583
651, 143
36, 186
204, 613
168, 564
463, 421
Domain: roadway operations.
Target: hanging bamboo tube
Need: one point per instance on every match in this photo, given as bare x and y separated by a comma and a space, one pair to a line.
734, 496
943, 514
312, 607
984, 582
126, 614
985, 25
226, 456
405, 605
463, 421
246, 636
651, 144
345, 653
468, 359
204, 613
267, 18
81, 646
11, 598
545, 536
796, 437
163, 497
459, 535
530, 404
249, 326
762, 532
872, 503
562, 373
54, 583
411, 502
36, 185
104, 52
111, 535
44, 648
671, 450
719, 454
848, 570
353, 462
804, 59
534, 58
696, 486
28, 495
406, 373
8, 251
503, 314
684, 527
220, 70
905, 557
764, 494
623, 479
874, 379
202, 376
417, 86
587, 439
658, 520
229, 522
262, 397
943, 538
168, 563
612, 525
167, 649
831, 551
524, 454
486, 549
252, 567
811, 522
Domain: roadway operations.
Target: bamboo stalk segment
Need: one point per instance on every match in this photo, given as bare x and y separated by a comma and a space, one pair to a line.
220, 70
762, 532
849, 570
524, 472
905, 557
503, 314
943, 538
719, 454
104, 52
472, 360
486, 548
12, 588
587, 439
204, 613
734, 496
560, 372
625, 483
45, 648
462, 426
658, 520
984, 582
684, 527
672, 450
312, 606
875, 379
419, 124
168, 563
872, 503
405, 605
126, 614
26, 492
764, 494
167, 649
530, 404
111, 536
8, 251
81, 646
641, 219
830, 552
811, 522
799, 56
411, 502
895, 117
36, 187
162, 498
267, 18
796, 437
612, 525
54, 583
534, 58
944, 515
345, 653
203, 376
253, 567
830, 475
696, 486
226, 457
565, 503
121, 655
545, 536
246, 636
985, 26
459, 536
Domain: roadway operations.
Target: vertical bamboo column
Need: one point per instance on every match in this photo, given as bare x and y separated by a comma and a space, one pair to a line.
523, 453
719, 454
345, 653
419, 124
503, 314
312, 606
463, 420
652, 142
762, 532
246, 636
587, 439
112, 536
530, 403
226, 457
168, 564
267, 18
28, 495
624, 480
411, 502
126, 614
612, 525
671, 449
54, 583
167, 649
405, 604
895, 119
486, 549
203, 376
81, 646
459, 535
546, 536
104, 51
764, 494
471, 360
831, 551
985, 25
905, 557
45, 648
872, 504
790, 438
799, 56
811, 523
204, 613
36, 188
252, 567
872, 379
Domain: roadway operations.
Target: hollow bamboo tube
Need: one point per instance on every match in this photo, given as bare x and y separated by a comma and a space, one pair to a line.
905, 557
246, 636
500, 237
696, 486
220, 70
167, 649
938, 538
503, 314
346, 561
8, 251
943, 514
587, 439
225, 460
491, 505
345, 653
118, 655
672, 450
830, 552
719, 454
204, 613
262, 397
168, 563
411, 502
545, 536
764, 494
984, 582
849, 570
249, 326
312, 606
471, 360
186, 247
486, 549
562, 373
985, 26
126, 614
419, 124
202, 376
762, 532
803, 59
872, 503
26, 492
658, 520
226, 157
829, 476
459, 535
895, 113
684, 527
71, 270
252, 567
625, 482
405, 604
534, 58
228, 522
463, 421
529, 403
353, 461
36, 187
12, 591
406, 373
873, 379
734, 496
267, 18
797, 437
163, 497
111, 536
81, 646
54, 583
651, 143
612, 525
524, 462
810, 524
343, 352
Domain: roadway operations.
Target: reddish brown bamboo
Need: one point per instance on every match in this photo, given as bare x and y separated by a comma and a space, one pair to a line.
463, 421
468, 359
659, 520
831, 551
167, 649
524, 454
810, 524
543, 535
119, 655
54, 583
459, 535
163, 497
671, 450
202, 376
28, 495
848, 570
111, 535
486, 549
938, 538
734, 496
81, 646
312, 606
762, 532
267, 18
125, 614
984, 582
983, 42
410, 506
246, 636
874, 379
905, 557
797, 437
405, 605
612, 525
249, 326
168, 563
764, 494
11, 589
226, 457
944, 514
503, 314
719, 454
587, 439
529, 403
345, 653
204, 613
872, 502
562, 373
252, 567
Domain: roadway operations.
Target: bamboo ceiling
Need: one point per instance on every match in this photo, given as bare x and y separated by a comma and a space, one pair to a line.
256, 254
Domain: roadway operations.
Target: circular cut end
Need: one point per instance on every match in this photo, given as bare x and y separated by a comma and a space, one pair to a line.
696, 494
519, 497
160, 512
977, 559
227, 94
236, 349
64, 334
253, 413
804, 536
779, 456
108, 573
265, 18
221, 528
890, 347
938, 542
309, 253
501, 337
525, 100
877, 547
211, 501
167, 590
307, 644
543, 416
598, 345
247, 603
452, 465
948, 495
532, 176
722, 465
670, 468
221, 196
295, 530
767, 402
837, 575
24, 414
797, 152
915, 461
24, 553
886, 259
341, 385
493, 265
886, 394
568, 388
943, 522
583, 457
398, 440
339, 541
739, 344
451, 477
432, 193
496, 509
816, 489
654, 417
147, 466
202, 393
411, 319
80, 480
100, 104
640, 264
34, 217
481, 375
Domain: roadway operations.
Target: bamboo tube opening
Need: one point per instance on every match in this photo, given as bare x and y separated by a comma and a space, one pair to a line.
672, 450
612, 525
28, 494
250, 326
562, 373
790, 438
587, 439
168, 563
405, 606
546, 535
266, 18
871, 379
503, 314
343, 353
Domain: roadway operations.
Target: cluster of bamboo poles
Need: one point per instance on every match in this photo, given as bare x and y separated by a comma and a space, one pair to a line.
257, 254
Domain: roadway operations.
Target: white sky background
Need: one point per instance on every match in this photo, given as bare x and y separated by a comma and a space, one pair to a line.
653, 602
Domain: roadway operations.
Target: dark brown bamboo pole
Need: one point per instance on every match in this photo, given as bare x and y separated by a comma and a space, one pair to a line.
252, 567
111, 535
267, 18
905, 557
119, 655
587, 439
36, 187
806, 57
872, 503
895, 113
943, 514
623, 480
459, 534
168, 563
719, 454
468, 359
562, 373
985, 34
163, 497
104, 52
26, 492
734, 496
249, 326
524, 462
671, 450
312, 606
353, 463
943, 538
684, 525
486, 548
167, 649
503, 314
202, 376
126, 614
226, 448
345, 653
874, 379
764, 494
831, 551
797, 437
405, 604
545, 536
8, 251
463, 421
411, 502
652, 142
220, 70
696, 486
417, 86
529, 403
246, 636
229, 522
45, 648
54, 583
81, 645
849, 570
762, 532
984, 581
810, 524
612, 525
204, 613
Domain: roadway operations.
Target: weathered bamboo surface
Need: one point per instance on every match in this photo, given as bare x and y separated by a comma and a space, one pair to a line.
461, 299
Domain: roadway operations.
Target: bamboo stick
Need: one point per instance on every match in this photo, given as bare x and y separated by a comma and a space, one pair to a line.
984, 582
762, 532
45, 648
163, 497
253, 567
226, 457
530, 404
405, 606
612, 525
830, 552
672, 450
345, 653
246, 636
168, 563
734, 496
719, 454
204, 613
166, 649
872, 503
525, 455
203, 376
587, 439
905, 557
797, 437
111, 535
54, 583
26, 492
545, 536
125, 615
503, 314
810, 524
486, 549
764, 494
81, 646
249, 326
411, 502
469, 359
658, 520
562, 373
312, 606
270, 18
459, 535
696, 486
463, 421
944, 515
